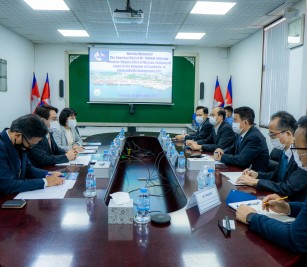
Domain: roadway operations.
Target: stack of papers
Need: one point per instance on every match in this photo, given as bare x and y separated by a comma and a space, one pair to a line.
90, 147
257, 205
232, 177
80, 160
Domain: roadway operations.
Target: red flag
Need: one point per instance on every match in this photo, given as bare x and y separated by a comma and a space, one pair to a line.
46, 93
35, 96
229, 94
218, 100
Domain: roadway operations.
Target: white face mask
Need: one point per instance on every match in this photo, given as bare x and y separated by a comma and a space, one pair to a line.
212, 120
236, 127
54, 125
277, 144
199, 119
71, 123
298, 161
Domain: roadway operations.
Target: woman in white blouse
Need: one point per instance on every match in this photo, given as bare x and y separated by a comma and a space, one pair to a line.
66, 136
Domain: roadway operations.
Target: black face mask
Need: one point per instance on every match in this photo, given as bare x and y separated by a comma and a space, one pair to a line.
21, 147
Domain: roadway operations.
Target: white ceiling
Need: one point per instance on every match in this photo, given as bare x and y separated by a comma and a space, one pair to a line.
163, 20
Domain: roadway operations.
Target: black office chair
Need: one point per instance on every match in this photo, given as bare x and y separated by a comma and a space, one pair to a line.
274, 159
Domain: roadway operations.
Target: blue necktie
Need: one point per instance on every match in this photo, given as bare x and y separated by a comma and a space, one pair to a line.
239, 142
283, 166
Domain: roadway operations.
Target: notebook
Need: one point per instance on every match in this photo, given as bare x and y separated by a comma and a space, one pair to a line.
257, 205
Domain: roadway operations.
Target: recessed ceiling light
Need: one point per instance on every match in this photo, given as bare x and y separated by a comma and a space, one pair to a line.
74, 33
212, 8
47, 4
190, 35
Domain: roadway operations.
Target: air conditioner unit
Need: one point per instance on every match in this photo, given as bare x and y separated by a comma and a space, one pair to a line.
128, 16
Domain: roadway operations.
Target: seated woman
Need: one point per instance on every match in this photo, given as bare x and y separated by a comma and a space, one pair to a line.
67, 136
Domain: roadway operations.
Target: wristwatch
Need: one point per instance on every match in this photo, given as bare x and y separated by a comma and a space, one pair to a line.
250, 216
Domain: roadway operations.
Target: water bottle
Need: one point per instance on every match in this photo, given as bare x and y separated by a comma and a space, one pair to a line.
202, 178
143, 205
90, 184
118, 142
106, 156
163, 138
181, 163
169, 151
122, 134
211, 177
160, 135
113, 149
167, 143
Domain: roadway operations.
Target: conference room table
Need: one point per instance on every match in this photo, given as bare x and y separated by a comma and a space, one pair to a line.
74, 231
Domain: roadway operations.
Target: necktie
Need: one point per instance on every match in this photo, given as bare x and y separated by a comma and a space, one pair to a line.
49, 140
239, 142
283, 166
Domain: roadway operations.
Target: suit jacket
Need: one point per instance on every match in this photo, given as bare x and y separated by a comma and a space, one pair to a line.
43, 155
252, 150
17, 174
203, 131
290, 236
294, 183
224, 137
59, 136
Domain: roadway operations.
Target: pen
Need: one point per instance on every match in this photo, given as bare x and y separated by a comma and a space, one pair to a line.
62, 176
250, 167
227, 225
282, 198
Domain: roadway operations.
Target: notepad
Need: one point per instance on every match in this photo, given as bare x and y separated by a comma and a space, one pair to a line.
88, 151
257, 205
90, 147
81, 160
232, 177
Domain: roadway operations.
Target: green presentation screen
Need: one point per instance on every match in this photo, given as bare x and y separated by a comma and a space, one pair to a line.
180, 112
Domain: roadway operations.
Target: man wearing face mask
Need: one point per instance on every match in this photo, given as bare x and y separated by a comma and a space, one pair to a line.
204, 126
46, 152
16, 172
221, 135
287, 179
67, 136
250, 147
290, 236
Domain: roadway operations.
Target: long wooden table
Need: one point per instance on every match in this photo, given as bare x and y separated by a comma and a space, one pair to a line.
74, 232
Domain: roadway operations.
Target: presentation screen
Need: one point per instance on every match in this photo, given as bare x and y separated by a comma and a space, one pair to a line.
133, 75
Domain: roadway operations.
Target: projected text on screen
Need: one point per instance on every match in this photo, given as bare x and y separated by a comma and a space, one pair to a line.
118, 76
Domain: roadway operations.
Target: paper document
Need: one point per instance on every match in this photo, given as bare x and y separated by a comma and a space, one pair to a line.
81, 160
91, 144
53, 192
257, 205
232, 177
90, 147
88, 151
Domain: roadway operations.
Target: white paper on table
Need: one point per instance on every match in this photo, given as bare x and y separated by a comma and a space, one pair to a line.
88, 151
53, 192
80, 160
232, 177
120, 198
90, 147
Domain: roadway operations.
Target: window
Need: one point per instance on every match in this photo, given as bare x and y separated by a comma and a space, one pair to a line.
274, 71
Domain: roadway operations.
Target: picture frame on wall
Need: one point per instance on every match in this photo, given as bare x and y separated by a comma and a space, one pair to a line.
296, 32
3, 75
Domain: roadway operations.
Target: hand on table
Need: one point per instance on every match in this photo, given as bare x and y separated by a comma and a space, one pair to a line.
243, 211
247, 180
272, 202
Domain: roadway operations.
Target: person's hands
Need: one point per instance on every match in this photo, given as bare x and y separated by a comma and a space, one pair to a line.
190, 142
71, 154
271, 202
247, 180
54, 179
243, 211
250, 173
195, 146
179, 137
78, 148
217, 155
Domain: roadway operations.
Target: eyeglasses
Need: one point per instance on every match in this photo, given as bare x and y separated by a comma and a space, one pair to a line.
272, 135
298, 148
29, 144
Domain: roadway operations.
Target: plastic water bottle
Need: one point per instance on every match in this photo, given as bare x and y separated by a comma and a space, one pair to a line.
160, 135
122, 133
202, 178
169, 151
181, 163
167, 143
113, 149
106, 156
211, 177
90, 184
143, 205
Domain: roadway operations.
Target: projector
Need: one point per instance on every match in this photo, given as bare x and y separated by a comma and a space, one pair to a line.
128, 16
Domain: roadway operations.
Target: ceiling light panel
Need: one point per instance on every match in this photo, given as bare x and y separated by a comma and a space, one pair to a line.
212, 8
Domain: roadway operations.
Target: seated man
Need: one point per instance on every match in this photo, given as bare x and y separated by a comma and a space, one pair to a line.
46, 152
288, 179
204, 126
250, 148
16, 172
290, 236
229, 111
221, 135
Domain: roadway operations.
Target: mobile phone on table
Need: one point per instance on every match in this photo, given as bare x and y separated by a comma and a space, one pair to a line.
13, 204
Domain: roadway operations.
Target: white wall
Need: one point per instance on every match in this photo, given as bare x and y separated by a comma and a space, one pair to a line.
19, 54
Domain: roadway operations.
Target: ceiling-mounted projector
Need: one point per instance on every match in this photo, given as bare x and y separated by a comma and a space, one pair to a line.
128, 15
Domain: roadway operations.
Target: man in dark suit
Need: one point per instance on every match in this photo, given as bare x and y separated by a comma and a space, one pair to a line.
204, 126
287, 179
16, 172
221, 135
250, 147
46, 152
